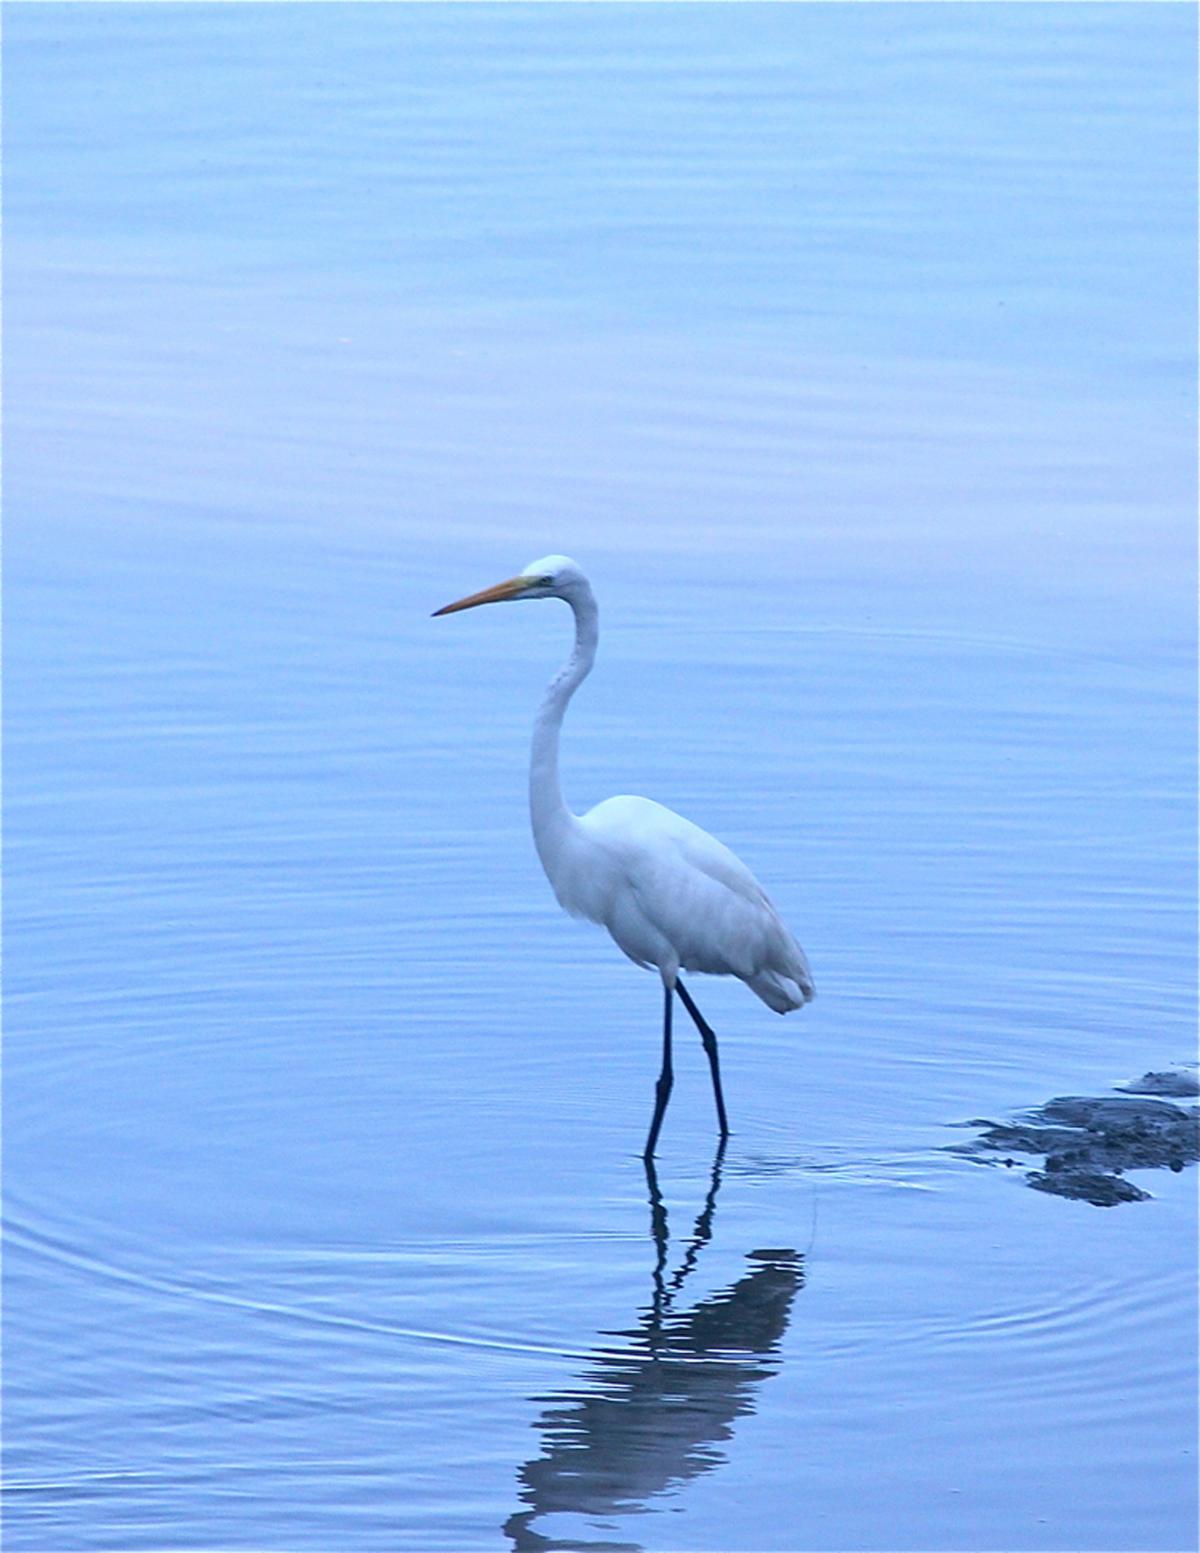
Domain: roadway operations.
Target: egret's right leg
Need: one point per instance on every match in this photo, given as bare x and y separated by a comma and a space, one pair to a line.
662, 1090
709, 1040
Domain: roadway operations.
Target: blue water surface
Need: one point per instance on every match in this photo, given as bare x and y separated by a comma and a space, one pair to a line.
851, 351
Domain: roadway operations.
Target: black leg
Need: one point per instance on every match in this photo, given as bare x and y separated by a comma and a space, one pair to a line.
710, 1051
662, 1090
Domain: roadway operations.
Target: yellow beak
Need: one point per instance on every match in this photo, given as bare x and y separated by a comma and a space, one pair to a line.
512, 588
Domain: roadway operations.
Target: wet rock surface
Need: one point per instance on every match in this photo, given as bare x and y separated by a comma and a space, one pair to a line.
1088, 1186
1087, 1144
1179, 1085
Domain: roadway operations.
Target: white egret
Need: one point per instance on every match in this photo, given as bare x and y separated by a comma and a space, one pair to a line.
672, 896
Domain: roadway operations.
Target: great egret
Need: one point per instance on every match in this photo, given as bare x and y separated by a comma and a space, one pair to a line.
672, 896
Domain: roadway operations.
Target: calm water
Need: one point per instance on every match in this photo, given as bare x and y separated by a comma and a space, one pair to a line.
850, 349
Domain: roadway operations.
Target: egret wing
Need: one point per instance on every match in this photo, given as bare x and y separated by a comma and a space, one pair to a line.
691, 892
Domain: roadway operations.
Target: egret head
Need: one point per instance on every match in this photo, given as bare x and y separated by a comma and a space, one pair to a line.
553, 577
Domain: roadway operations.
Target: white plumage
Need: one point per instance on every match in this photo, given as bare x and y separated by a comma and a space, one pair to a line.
672, 896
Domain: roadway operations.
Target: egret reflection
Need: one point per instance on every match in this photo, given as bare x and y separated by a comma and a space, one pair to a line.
654, 1409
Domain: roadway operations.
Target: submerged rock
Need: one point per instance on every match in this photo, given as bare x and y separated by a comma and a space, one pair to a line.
1179, 1085
1132, 1134
1088, 1186
1087, 1143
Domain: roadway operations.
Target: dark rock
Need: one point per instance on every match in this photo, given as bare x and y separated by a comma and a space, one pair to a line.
1129, 1134
1088, 1186
1023, 1139
1086, 1144
1180, 1085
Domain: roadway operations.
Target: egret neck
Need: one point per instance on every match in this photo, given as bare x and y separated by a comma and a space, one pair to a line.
552, 820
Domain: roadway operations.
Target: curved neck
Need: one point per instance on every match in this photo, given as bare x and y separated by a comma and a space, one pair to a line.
549, 813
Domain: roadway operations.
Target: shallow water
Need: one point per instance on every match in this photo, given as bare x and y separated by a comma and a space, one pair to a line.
850, 352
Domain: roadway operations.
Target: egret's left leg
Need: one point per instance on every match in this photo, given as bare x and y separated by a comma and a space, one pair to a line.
666, 1077
710, 1051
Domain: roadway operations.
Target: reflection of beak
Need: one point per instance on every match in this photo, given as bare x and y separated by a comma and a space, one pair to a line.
511, 589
